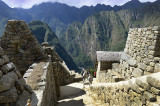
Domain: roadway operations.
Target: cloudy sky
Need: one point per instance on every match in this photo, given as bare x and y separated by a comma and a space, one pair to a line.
76, 3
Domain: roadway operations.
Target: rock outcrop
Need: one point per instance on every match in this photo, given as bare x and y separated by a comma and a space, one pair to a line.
13, 89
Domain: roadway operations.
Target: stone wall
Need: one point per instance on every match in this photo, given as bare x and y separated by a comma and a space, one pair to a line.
142, 52
20, 45
64, 75
134, 92
13, 89
141, 56
45, 91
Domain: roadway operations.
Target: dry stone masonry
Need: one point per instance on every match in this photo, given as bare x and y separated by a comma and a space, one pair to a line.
141, 55
41, 67
142, 52
13, 89
20, 45
142, 91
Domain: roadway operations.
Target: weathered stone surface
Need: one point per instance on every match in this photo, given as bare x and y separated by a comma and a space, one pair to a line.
5, 58
7, 81
155, 91
9, 96
150, 69
20, 85
18, 73
1, 74
128, 59
137, 72
142, 66
149, 96
22, 99
1, 61
125, 56
28, 88
137, 89
8, 67
143, 85
1, 51
22, 46
153, 82
132, 62
157, 68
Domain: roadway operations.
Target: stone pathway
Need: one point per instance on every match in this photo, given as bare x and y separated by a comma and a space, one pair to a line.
72, 95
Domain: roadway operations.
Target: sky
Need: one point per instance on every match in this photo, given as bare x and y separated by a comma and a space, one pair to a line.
76, 3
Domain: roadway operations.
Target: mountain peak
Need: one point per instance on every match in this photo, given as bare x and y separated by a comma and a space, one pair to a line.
3, 4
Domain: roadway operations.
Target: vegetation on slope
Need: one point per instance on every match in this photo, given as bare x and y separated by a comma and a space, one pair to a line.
43, 33
108, 31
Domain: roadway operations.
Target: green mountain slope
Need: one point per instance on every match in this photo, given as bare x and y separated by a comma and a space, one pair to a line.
44, 33
107, 31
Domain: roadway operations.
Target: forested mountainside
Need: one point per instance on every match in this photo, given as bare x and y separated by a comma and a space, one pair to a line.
43, 33
107, 31
58, 16
94, 28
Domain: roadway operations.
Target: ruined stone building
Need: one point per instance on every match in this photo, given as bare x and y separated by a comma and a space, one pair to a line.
139, 68
20, 45
105, 61
42, 68
141, 55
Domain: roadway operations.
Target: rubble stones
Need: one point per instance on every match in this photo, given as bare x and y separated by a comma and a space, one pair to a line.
9, 96
7, 81
11, 83
137, 72
8, 67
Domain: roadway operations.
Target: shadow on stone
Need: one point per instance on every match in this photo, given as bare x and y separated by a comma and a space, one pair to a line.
70, 92
71, 103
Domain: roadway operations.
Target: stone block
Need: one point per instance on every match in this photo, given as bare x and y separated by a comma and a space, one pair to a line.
155, 91
139, 59
20, 85
22, 99
143, 85
132, 62
7, 81
142, 66
137, 89
28, 88
1, 61
149, 96
5, 58
8, 67
157, 68
9, 96
137, 72
155, 28
18, 73
1, 51
1, 73
150, 69
152, 64
146, 61
153, 82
